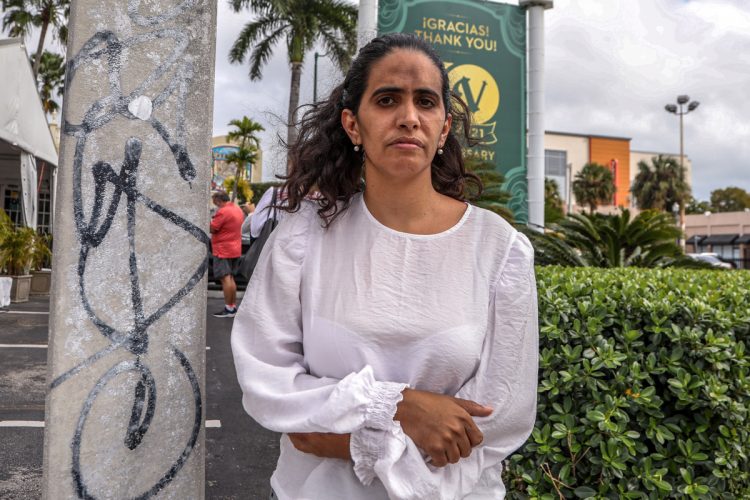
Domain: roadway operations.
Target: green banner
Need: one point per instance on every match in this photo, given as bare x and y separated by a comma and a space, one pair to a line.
483, 45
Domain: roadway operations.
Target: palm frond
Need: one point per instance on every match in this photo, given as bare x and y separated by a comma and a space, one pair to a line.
263, 51
251, 33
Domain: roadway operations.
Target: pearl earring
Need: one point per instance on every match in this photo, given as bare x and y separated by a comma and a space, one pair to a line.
357, 148
440, 151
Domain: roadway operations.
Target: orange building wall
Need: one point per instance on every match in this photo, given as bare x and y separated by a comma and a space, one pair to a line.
603, 151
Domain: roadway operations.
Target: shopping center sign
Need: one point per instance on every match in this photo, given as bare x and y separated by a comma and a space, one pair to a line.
483, 45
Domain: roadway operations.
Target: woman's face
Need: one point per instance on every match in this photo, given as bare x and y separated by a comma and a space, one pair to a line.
401, 120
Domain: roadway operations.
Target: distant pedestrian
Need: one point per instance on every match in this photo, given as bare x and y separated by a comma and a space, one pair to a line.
226, 243
248, 208
264, 210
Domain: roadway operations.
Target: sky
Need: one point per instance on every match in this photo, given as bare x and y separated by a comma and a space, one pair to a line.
611, 66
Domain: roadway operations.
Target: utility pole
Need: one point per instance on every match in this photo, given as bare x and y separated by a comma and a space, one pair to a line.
535, 174
315, 76
125, 395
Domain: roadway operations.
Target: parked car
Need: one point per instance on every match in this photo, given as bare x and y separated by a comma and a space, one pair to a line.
241, 281
712, 259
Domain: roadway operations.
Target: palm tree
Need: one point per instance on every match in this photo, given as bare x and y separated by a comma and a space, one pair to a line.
51, 79
245, 155
593, 185
492, 198
553, 204
660, 185
246, 132
596, 240
300, 23
23, 15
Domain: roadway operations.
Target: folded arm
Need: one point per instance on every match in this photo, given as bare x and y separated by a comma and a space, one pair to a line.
278, 391
506, 380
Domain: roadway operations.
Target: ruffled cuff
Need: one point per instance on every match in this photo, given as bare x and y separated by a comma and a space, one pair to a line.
384, 397
365, 447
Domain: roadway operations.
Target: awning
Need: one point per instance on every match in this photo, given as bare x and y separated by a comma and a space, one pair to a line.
744, 239
695, 239
720, 239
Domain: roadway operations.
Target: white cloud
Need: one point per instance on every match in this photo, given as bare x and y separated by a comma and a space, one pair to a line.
611, 65
265, 101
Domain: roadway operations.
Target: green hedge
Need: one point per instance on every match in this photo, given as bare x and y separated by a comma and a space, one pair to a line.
644, 386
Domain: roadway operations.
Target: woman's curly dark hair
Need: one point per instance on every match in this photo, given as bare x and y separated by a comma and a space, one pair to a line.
323, 158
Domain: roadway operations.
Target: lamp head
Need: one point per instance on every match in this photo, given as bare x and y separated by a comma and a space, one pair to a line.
671, 108
682, 99
693, 105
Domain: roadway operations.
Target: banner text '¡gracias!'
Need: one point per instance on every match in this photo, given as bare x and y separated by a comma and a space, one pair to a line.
456, 34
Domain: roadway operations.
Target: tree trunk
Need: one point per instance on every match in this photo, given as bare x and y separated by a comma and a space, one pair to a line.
291, 135
237, 177
40, 47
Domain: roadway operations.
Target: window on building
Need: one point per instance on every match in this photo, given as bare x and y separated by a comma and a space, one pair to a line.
556, 168
555, 163
43, 214
729, 252
12, 203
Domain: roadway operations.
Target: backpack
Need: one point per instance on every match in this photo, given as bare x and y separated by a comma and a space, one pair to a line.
250, 259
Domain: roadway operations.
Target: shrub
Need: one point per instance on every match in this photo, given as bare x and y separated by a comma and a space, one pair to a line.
644, 386
16, 251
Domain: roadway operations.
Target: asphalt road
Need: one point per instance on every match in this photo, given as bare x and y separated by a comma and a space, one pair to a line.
240, 455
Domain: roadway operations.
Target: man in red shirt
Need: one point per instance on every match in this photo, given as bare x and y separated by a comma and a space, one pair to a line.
226, 243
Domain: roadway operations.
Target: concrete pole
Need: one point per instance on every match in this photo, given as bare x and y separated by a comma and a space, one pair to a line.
126, 365
535, 175
367, 22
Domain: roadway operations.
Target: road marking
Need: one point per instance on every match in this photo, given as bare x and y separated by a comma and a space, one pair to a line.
44, 346
24, 312
21, 423
27, 346
216, 424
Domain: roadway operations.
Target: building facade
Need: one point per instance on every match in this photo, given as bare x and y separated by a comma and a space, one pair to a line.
220, 169
726, 234
567, 153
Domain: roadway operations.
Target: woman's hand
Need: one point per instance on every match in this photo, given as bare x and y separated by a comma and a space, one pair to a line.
323, 445
441, 425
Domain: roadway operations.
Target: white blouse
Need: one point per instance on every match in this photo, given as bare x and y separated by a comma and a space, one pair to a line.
336, 322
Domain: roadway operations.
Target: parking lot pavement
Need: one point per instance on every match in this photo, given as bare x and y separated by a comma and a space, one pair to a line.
240, 455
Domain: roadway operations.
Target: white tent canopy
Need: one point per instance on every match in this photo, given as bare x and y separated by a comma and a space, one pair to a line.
23, 124
22, 120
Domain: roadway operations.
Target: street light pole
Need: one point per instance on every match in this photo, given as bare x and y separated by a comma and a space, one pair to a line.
680, 111
315, 77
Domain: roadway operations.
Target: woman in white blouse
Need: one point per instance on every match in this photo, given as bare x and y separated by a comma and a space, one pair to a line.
390, 328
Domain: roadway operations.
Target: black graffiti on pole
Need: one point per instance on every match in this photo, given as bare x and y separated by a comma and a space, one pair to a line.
105, 49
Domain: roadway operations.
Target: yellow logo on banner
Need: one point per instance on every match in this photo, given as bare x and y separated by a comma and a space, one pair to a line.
480, 92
